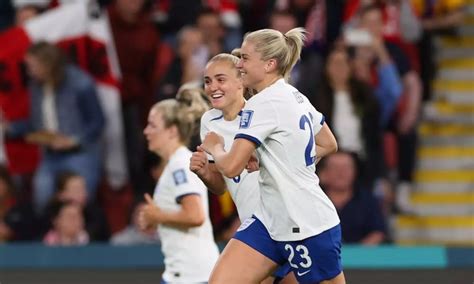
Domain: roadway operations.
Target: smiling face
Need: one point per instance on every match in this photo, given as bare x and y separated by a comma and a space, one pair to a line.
251, 66
223, 85
157, 135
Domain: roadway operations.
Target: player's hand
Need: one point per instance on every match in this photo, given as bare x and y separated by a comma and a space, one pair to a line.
199, 163
211, 140
253, 164
149, 215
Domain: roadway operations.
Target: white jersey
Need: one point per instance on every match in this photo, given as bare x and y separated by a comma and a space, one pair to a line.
243, 188
282, 123
189, 254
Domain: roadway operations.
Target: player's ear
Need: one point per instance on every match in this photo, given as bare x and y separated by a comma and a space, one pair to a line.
174, 131
271, 65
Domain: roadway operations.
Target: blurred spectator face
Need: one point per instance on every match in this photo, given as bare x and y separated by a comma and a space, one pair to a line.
36, 69
25, 13
131, 7
373, 22
361, 64
339, 171
282, 22
74, 190
337, 68
157, 135
210, 27
69, 221
222, 84
190, 41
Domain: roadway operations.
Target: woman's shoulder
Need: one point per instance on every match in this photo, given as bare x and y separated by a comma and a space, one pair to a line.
211, 115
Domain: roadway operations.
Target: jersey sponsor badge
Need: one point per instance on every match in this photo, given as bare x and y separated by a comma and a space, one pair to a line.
246, 118
179, 177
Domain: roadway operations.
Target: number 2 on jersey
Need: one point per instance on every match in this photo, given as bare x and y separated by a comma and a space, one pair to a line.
305, 120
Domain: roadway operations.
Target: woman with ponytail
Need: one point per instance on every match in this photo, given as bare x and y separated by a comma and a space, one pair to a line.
294, 223
179, 206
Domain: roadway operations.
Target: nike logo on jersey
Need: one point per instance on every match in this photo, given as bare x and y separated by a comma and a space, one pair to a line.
302, 273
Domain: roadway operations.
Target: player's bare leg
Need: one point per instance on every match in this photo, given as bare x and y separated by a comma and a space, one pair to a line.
239, 263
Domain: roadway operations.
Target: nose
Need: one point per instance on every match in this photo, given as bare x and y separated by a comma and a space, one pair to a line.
212, 86
239, 64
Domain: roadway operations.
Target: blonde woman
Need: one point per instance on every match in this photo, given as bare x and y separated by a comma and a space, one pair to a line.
295, 222
224, 88
179, 206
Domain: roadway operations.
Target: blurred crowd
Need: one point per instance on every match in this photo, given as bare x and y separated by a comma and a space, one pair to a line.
367, 66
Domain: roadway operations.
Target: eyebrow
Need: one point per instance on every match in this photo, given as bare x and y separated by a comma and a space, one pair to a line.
217, 75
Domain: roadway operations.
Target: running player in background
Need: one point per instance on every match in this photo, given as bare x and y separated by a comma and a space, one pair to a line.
223, 86
180, 205
295, 222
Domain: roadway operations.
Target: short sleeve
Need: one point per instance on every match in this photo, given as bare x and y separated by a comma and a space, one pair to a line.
185, 182
258, 120
317, 119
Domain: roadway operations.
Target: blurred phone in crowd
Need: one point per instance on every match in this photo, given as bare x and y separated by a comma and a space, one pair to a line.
357, 37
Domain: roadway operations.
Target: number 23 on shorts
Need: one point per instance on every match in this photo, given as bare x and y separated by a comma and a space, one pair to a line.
303, 253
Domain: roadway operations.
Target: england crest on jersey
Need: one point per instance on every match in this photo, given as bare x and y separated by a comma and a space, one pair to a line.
246, 118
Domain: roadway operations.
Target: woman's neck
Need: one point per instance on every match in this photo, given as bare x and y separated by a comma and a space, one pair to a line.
268, 81
233, 110
170, 150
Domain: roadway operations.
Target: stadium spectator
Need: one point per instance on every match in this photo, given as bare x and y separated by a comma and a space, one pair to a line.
352, 111
67, 226
71, 187
136, 42
65, 118
132, 234
361, 218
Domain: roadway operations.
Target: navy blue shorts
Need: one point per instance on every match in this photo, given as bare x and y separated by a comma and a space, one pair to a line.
282, 271
313, 259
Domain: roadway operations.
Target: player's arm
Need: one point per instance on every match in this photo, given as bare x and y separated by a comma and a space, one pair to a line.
325, 142
190, 215
231, 163
214, 180
207, 172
